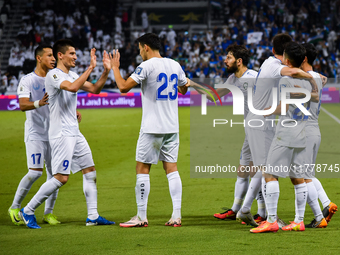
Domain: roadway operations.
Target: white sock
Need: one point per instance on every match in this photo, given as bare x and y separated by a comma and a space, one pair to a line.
175, 188
43, 193
24, 187
241, 187
321, 193
90, 192
312, 200
254, 187
272, 199
50, 201
261, 206
142, 191
300, 201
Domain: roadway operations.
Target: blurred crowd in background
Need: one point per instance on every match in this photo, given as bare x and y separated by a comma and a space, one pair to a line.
200, 54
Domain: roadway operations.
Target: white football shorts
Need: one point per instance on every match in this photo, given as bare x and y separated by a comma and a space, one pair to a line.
285, 161
245, 156
312, 147
259, 143
154, 147
37, 153
70, 154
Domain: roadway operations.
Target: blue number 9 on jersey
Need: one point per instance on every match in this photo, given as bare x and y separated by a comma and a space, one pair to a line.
173, 81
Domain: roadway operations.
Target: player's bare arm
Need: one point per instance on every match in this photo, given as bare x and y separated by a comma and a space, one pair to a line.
26, 104
123, 85
75, 86
200, 89
277, 110
300, 74
183, 89
314, 97
98, 86
324, 80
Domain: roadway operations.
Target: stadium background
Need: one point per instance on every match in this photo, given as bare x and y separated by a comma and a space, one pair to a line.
203, 31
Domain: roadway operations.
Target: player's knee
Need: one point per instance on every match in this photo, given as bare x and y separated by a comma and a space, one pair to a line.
62, 178
88, 170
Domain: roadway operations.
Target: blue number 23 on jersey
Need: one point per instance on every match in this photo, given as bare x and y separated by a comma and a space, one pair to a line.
173, 81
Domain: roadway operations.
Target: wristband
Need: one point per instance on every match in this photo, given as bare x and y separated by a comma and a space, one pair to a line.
36, 104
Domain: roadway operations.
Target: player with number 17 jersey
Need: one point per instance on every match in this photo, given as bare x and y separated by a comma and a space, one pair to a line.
159, 78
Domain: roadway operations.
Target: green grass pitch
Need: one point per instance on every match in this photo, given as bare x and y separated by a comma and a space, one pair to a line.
112, 135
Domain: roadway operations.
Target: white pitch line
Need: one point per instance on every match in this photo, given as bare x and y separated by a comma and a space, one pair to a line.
330, 115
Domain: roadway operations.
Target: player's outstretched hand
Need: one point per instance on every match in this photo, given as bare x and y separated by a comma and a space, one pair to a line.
44, 100
93, 63
115, 59
106, 61
78, 117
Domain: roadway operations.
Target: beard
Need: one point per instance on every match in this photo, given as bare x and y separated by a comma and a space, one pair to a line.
232, 68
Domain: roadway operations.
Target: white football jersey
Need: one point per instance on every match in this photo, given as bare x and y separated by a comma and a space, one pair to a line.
292, 133
267, 78
312, 126
247, 80
32, 86
159, 78
62, 104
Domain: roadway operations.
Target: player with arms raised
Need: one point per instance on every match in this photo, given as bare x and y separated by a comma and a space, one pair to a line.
161, 79
70, 150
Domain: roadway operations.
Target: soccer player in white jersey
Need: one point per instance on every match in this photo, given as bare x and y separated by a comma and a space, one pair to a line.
69, 148
161, 79
313, 137
260, 136
236, 62
33, 101
286, 155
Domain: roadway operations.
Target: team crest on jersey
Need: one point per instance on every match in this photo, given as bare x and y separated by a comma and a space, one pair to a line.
245, 85
138, 70
55, 77
21, 88
36, 86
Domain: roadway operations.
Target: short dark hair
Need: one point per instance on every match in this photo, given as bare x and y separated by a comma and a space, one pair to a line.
239, 51
62, 46
279, 43
40, 49
150, 39
311, 52
296, 53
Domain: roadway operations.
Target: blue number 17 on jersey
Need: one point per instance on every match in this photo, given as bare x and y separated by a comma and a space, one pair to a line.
173, 81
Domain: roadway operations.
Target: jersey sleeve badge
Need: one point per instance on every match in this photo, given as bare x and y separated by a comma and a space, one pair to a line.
138, 70
55, 77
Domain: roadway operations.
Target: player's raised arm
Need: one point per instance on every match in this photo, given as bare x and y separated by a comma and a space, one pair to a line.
27, 105
202, 90
76, 85
98, 86
123, 85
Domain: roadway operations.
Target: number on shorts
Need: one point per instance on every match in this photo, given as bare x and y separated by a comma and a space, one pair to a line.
38, 158
65, 164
